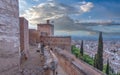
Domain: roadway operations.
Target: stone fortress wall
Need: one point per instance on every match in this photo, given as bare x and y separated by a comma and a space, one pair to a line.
63, 42
9, 33
46, 34
9, 26
24, 35
33, 36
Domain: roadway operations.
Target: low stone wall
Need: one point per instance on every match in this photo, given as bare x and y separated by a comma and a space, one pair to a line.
69, 67
74, 66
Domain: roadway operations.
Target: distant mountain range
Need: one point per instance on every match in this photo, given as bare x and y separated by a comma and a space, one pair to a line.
99, 23
94, 38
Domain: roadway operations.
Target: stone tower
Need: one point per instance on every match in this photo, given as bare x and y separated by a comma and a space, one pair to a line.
9, 34
24, 35
45, 29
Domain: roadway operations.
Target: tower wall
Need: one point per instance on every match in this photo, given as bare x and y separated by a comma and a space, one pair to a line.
24, 35
45, 29
9, 33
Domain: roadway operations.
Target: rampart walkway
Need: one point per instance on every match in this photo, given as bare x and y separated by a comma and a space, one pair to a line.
35, 63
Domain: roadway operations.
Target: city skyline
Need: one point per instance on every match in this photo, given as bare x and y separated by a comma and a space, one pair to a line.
78, 18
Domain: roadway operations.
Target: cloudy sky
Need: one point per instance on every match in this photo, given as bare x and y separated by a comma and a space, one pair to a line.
78, 18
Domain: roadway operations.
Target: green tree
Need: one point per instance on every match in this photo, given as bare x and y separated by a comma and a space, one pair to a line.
99, 59
81, 49
107, 68
118, 73
95, 61
75, 51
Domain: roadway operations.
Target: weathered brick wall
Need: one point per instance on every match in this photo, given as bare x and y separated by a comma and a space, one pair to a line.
9, 33
47, 29
63, 42
9, 25
74, 66
24, 35
33, 36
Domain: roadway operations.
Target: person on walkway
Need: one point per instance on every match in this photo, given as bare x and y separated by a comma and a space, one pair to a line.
42, 47
39, 48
